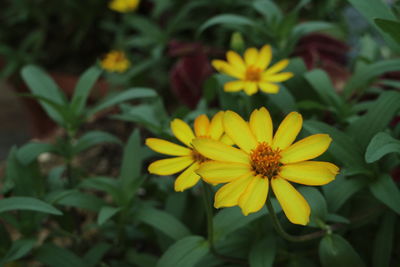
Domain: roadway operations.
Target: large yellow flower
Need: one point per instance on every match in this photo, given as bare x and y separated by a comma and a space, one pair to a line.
262, 159
186, 157
115, 61
252, 71
124, 6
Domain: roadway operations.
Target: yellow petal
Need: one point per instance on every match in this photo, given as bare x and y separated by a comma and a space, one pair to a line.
229, 194
269, 88
281, 77
216, 172
239, 131
253, 199
261, 125
287, 131
309, 172
292, 202
251, 56
230, 70
201, 125
277, 67
234, 86
264, 58
170, 166
235, 60
187, 179
227, 140
166, 147
250, 88
182, 131
307, 148
219, 151
216, 128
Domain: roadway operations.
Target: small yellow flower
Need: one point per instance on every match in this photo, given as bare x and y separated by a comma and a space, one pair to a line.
186, 157
252, 72
262, 159
115, 61
124, 6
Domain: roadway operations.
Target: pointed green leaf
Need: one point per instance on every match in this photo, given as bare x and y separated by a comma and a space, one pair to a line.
225, 19
29, 152
262, 253
380, 145
54, 256
384, 189
96, 253
19, 249
94, 138
384, 238
27, 203
106, 213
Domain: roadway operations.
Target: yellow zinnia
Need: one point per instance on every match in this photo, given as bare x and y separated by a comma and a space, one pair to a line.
252, 72
261, 159
187, 157
123, 6
115, 61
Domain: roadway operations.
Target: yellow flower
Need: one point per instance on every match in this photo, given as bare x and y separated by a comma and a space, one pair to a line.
123, 6
252, 72
186, 157
262, 159
115, 61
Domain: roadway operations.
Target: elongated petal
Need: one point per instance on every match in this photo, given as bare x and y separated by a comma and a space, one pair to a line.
234, 86
261, 125
229, 194
250, 88
170, 166
187, 179
216, 128
227, 140
309, 172
277, 67
269, 88
219, 151
235, 60
216, 172
292, 202
201, 125
167, 148
264, 57
239, 131
307, 148
182, 131
253, 199
251, 56
281, 77
230, 70
287, 131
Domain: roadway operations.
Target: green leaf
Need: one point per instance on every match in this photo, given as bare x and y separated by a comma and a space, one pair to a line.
283, 100
312, 26
83, 87
380, 145
383, 244
29, 152
386, 191
268, 9
106, 213
94, 138
81, 200
19, 249
390, 27
123, 96
95, 254
54, 256
107, 184
185, 252
262, 253
316, 200
225, 19
335, 251
27, 203
141, 259
376, 119
42, 85
163, 222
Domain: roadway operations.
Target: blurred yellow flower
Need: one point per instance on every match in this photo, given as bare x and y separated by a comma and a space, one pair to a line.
252, 71
115, 61
187, 158
124, 6
262, 159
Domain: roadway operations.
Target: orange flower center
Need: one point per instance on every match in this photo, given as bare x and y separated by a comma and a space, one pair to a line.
253, 74
196, 156
265, 160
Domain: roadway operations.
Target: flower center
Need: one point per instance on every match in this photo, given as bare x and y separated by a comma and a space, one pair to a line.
265, 160
198, 157
253, 74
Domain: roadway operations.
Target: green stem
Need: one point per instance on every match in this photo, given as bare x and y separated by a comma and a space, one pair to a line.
210, 226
